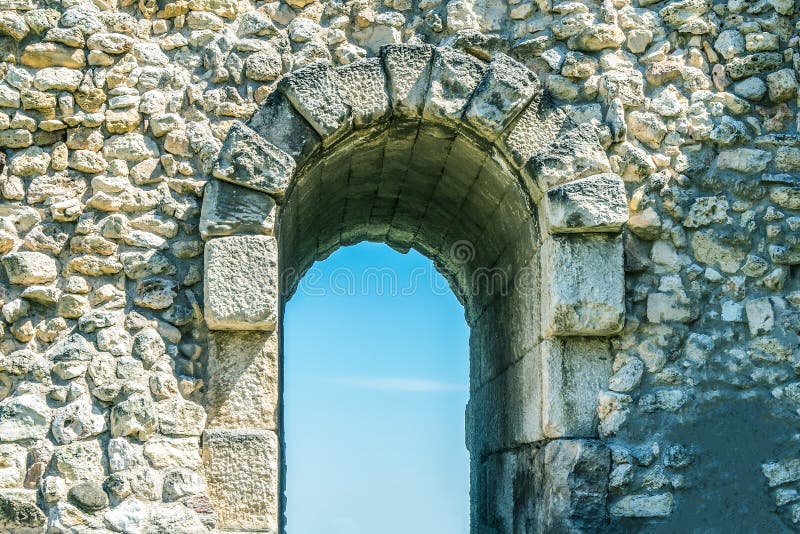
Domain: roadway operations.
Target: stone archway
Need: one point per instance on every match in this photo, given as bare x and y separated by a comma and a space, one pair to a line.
471, 164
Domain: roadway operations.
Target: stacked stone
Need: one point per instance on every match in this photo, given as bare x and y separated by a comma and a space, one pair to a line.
111, 118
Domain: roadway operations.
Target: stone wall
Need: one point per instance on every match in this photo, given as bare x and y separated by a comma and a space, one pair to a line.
116, 398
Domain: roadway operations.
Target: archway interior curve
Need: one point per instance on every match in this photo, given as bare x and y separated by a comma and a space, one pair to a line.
415, 184
454, 198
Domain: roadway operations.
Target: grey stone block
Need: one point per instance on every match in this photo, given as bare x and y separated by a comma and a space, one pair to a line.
535, 128
575, 153
242, 470
242, 377
506, 88
572, 478
241, 286
247, 159
454, 76
408, 70
594, 204
585, 293
364, 82
315, 91
279, 123
229, 209
574, 372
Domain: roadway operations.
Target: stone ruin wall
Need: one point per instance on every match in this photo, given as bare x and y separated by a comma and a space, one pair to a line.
112, 116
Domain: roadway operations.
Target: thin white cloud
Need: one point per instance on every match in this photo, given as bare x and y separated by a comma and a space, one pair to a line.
405, 385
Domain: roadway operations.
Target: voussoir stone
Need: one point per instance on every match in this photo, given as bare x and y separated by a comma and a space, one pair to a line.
454, 76
574, 154
586, 294
364, 83
279, 123
594, 204
408, 69
247, 159
229, 209
315, 91
506, 88
241, 286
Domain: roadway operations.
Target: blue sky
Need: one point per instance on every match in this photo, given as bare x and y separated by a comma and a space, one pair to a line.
376, 382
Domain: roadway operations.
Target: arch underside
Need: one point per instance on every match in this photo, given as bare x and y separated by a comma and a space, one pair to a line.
472, 165
414, 185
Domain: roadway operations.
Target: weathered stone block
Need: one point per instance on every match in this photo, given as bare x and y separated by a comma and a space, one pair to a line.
241, 285
574, 154
506, 88
242, 474
28, 268
535, 128
495, 421
247, 159
408, 69
229, 209
280, 124
315, 91
454, 76
585, 296
574, 371
364, 83
507, 499
242, 379
20, 515
594, 204
572, 485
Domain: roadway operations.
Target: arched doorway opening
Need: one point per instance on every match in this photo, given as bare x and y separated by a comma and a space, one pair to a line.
470, 164
376, 382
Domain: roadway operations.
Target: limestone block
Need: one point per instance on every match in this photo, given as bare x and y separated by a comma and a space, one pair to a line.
573, 482
574, 154
229, 209
643, 505
28, 268
586, 288
506, 88
241, 285
506, 412
242, 474
594, 204
364, 83
24, 417
408, 69
508, 500
574, 372
535, 128
242, 379
454, 76
316, 93
247, 159
280, 124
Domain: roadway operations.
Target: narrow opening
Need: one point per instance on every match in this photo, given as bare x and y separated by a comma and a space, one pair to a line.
376, 379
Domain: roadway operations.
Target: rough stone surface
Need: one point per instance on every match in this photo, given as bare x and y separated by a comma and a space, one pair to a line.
573, 488
594, 204
112, 118
586, 295
229, 210
241, 283
247, 159
243, 380
246, 499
